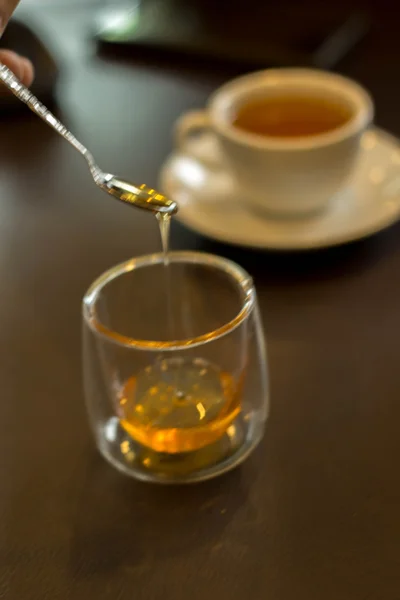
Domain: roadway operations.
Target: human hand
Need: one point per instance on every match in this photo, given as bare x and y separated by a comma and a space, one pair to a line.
22, 67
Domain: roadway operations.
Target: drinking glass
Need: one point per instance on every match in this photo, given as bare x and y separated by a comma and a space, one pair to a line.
175, 369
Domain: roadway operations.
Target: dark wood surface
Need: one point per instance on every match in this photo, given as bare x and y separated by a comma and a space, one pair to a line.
315, 512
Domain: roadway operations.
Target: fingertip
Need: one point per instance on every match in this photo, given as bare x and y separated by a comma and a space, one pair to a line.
28, 72
19, 65
13, 62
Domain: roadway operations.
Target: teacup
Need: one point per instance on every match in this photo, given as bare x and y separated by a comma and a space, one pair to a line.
289, 176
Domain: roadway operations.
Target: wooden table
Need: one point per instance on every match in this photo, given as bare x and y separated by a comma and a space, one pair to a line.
315, 512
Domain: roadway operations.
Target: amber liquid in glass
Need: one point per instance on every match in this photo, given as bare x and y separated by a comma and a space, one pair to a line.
177, 405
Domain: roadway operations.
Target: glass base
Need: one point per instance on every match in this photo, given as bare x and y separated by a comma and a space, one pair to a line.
138, 461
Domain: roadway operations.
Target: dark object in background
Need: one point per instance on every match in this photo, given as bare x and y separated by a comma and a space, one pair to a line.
261, 35
21, 39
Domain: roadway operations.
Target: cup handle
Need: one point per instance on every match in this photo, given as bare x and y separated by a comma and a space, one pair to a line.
190, 124
206, 149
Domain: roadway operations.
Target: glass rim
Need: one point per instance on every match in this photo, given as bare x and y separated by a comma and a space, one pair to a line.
236, 272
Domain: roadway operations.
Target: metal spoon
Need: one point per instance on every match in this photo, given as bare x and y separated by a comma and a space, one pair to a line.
140, 196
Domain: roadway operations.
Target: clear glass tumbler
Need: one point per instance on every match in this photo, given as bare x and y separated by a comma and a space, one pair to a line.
175, 368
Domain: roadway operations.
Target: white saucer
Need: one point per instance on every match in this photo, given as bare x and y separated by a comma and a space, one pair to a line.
210, 205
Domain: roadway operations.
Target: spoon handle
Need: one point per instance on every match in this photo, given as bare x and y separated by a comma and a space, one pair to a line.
139, 196
25, 95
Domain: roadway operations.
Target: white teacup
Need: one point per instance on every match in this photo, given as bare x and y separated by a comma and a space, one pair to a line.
287, 176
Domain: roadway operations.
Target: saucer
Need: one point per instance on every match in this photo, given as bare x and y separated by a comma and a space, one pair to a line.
212, 206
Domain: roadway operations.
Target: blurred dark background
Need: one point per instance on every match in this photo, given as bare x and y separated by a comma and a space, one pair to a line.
252, 34
217, 40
